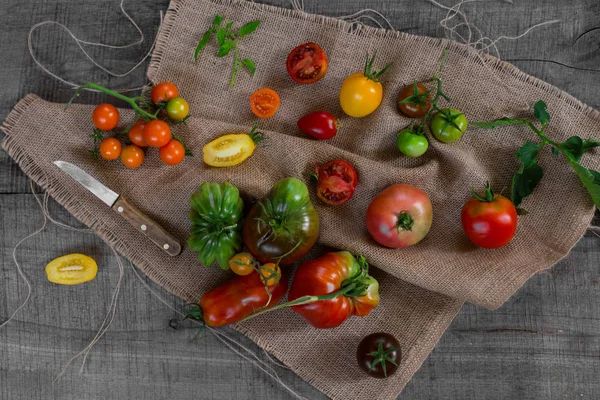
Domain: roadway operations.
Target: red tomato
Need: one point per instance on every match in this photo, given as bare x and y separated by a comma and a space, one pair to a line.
319, 124
399, 216
490, 221
163, 92
337, 182
105, 117
136, 134
132, 156
110, 149
239, 298
329, 274
157, 133
172, 153
307, 63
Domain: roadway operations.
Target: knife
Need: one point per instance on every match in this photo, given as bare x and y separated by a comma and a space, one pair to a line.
123, 207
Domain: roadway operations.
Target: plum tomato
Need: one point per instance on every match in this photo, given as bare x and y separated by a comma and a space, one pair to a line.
414, 100
337, 181
105, 117
157, 133
163, 92
242, 264
307, 63
71, 269
178, 109
379, 354
172, 153
319, 124
264, 103
399, 216
411, 144
136, 134
132, 156
489, 220
110, 148
448, 125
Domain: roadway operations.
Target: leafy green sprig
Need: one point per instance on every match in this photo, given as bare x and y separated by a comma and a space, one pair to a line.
530, 172
228, 39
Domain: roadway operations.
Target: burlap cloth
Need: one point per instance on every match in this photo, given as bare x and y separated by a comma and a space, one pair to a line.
422, 287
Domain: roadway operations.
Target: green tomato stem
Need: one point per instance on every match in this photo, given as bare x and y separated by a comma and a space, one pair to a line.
235, 65
131, 101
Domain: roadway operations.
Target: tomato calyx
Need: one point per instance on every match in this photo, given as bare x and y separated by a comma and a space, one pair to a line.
195, 313
450, 119
373, 74
488, 195
256, 136
381, 357
405, 222
417, 98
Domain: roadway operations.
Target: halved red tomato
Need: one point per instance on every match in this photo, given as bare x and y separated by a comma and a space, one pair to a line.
337, 182
307, 63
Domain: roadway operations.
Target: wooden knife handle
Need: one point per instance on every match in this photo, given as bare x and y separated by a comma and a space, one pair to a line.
148, 227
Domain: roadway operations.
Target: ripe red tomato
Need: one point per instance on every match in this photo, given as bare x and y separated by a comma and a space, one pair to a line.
136, 134
490, 221
399, 216
307, 63
163, 92
105, 117
110, 149
337, 182
319, 124
157, 133
414, 100
132, 156
172, 153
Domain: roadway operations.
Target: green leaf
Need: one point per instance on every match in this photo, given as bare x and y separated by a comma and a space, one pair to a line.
229, 25
225, 48
524, 182
218, 19
221, 35
249, 28
249, 65
589, 144
555, 151
522, 211
540, 111
202, 44
590, 179
573, 146
528, 153
500, 122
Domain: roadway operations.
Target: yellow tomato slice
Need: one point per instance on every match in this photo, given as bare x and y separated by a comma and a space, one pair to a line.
228, 150
71, 269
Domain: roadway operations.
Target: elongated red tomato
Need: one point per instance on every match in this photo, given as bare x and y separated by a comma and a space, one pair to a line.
334, 272
489, 221
399, 216
239, 298
319, 124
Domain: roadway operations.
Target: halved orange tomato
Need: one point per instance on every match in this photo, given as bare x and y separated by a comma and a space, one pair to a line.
265, 102
71, 269
232, 149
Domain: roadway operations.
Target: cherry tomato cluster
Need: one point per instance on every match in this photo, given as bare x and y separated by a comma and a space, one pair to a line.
244, 264
144, 133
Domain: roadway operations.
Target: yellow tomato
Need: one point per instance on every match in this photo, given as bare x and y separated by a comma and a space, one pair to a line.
270, 274
230, 150
71, 269
242, 264
360, 96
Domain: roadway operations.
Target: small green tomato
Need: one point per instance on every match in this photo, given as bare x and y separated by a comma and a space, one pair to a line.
178, 109
448, 125
411, 144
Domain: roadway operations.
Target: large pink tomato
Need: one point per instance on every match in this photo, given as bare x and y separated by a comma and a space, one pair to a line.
399, 216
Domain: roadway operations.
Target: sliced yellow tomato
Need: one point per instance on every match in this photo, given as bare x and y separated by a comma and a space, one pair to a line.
71, 269
230, 150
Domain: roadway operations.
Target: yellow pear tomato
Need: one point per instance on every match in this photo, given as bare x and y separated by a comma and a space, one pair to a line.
232, 149
71, 269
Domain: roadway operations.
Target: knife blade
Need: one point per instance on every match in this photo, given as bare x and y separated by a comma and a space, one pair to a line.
124, 208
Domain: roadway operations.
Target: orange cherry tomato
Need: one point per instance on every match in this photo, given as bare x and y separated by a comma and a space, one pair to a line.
110, 149
242, 264
172, 153
136, 134
163, 92
264, 102
157, 133
132, 156
270, 274
105, 117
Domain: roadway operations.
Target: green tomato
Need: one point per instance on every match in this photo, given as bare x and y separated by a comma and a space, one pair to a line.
412, 144
449, 125
178, 109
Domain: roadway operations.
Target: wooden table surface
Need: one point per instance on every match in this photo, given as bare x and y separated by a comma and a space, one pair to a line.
544, 343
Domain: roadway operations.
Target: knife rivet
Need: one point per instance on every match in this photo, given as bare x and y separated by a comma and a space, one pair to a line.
166, 247
144, 227
120, 209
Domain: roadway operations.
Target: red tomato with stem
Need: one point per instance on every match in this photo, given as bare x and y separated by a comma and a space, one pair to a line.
399, 216
337, 182
136, 134
489, 221
319, 124
105, 117
172, 153
164, 92
346, 279
307, 63
157, 133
